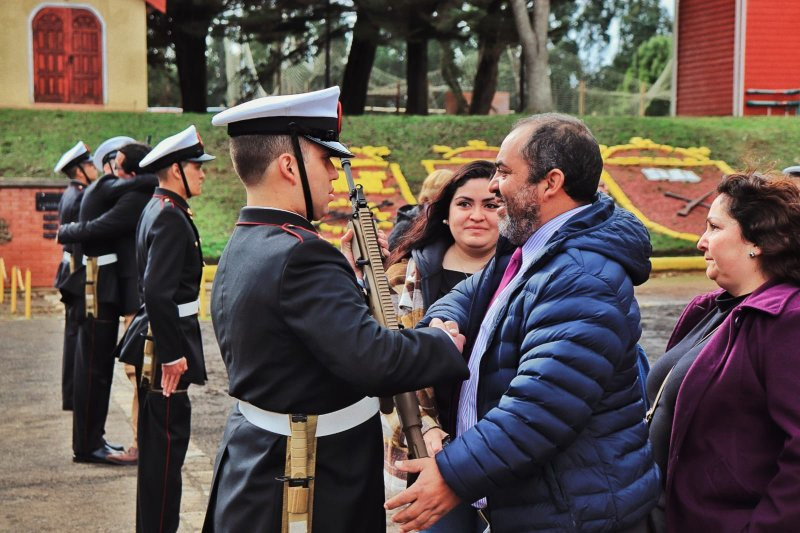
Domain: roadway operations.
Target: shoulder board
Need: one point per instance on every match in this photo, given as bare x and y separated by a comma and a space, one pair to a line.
291, 229
166, 201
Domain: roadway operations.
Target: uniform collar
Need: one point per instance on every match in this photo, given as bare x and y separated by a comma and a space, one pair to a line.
176, 198
267, 215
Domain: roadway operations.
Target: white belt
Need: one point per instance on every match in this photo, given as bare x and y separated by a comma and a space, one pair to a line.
103, 260
189, 308
327, 424
67, 257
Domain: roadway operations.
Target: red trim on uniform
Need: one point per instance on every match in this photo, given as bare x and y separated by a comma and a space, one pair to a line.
166, 470
284, 227
164, 197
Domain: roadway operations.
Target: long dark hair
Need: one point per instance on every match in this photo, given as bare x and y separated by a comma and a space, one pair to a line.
429, 226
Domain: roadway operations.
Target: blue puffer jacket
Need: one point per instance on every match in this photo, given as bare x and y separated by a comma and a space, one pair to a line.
560, 444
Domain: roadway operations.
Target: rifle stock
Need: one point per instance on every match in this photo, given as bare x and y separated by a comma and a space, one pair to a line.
367, 254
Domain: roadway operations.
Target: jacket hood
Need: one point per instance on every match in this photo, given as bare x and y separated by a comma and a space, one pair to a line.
429, 259
611, 231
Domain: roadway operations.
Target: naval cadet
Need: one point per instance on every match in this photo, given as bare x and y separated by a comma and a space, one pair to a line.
163, 342
76, 164
305, 360
106, 154
109, 211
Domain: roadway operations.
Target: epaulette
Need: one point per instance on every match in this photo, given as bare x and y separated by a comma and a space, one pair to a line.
288, 228
166, 200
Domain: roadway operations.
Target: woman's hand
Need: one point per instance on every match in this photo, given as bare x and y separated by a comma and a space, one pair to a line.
435, 438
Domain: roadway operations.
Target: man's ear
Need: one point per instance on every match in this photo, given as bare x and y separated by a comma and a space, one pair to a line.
554, 182
173, 172
287, 167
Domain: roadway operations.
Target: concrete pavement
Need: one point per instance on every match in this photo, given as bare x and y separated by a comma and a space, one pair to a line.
40, 487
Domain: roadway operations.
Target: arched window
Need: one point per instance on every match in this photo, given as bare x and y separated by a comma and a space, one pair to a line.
67, 56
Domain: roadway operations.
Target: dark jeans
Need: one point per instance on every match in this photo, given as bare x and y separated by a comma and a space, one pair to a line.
461, 519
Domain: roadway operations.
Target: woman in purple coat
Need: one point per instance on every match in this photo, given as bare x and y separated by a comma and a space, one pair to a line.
726, 426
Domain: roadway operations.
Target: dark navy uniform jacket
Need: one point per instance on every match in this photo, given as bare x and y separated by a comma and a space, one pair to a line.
294, 329
296, 336
109, 214
71, 285
170, 265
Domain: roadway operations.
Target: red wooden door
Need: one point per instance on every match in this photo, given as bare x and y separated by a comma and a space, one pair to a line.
68, 62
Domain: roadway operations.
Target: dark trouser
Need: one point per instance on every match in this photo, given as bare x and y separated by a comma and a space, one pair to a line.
463, 518
94, 369
348, 480
71, 325
164, 426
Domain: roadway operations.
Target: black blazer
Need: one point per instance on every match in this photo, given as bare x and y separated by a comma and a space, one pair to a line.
170, 264
294, 328
109, 214
71, 285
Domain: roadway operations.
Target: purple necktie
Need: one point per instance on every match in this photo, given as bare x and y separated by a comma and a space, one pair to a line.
508, 275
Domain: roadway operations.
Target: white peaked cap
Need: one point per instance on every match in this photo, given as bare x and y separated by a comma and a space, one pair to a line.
315, 116
183, 146
76, 154
794, 171
109, 146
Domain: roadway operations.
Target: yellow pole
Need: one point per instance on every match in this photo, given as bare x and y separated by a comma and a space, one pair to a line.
13, 303
27, 293
203, 295
2, 279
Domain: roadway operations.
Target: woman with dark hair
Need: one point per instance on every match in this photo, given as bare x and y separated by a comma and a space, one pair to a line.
725, 421
454, 237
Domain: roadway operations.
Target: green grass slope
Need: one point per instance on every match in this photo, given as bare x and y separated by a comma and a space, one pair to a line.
32, 141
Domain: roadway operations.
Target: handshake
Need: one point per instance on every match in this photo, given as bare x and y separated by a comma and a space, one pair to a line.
451, 328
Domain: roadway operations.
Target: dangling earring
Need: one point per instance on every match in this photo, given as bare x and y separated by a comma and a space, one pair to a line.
752, 254
445, 222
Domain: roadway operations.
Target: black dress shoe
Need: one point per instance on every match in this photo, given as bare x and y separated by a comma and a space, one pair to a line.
100, 456
115, 447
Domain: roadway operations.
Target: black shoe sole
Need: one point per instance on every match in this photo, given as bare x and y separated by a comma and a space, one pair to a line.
93, 460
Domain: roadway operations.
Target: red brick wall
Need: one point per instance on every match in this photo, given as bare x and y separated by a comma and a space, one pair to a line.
28, 248
772, 60
705, 57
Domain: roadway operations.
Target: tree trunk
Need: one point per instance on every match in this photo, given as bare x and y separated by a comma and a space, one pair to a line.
450, 74
190, 58
485, 84
355, 82
189, 30
539, 97
417, 75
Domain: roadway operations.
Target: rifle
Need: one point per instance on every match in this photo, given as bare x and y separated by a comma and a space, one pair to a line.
367, 255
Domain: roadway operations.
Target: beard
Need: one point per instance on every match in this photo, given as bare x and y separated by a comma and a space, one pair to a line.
522, 216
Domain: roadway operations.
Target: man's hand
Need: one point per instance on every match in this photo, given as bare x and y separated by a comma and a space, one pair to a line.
428, 499
434, 440
171, 374
346, 246
451, 328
